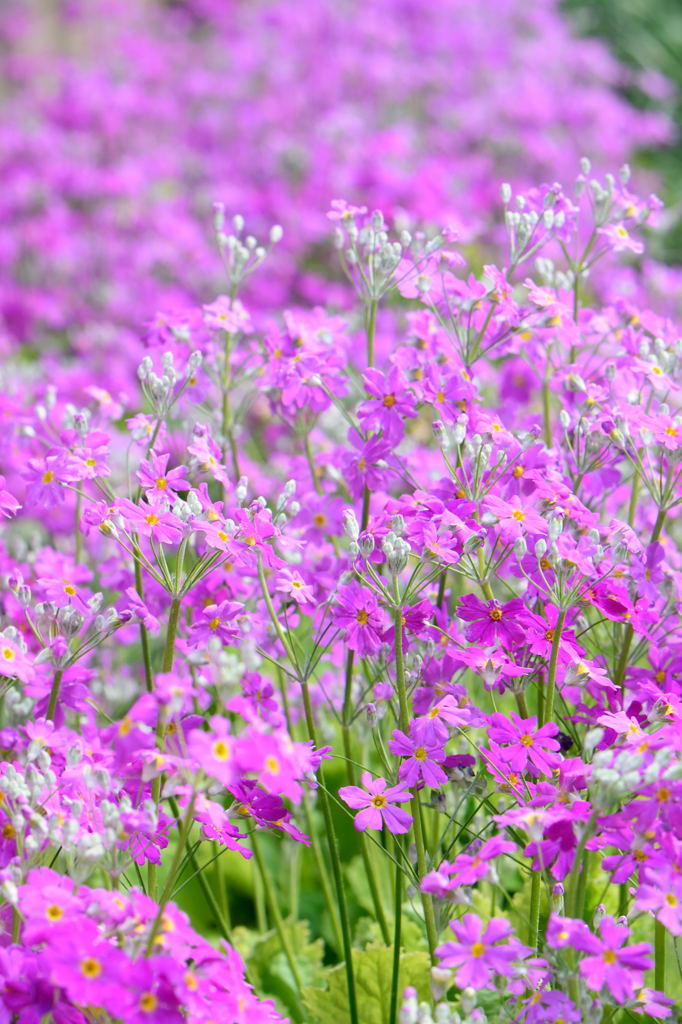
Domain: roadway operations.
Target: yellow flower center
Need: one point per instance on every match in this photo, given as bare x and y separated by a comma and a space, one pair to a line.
478, 949
220, 750
54, 912
161, 483
91, 967
519, 515
526, 740
389, 401
379, 800
148, 1002
420, 754
214, 623
609, 957
496, 614
48, 476
151, 519
362, 617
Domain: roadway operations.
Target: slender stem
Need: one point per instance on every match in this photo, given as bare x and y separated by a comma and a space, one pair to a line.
169, 648
54, 694
548, 709
335, 865
393, 1012
365, 847
577, 867
370, 329
534, 923
178, 854
546, 412
426, 899
78, 534
659, 956
273, 906
226, 425
144, 638
628, 636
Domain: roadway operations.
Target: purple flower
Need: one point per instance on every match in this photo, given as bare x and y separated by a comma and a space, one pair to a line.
480, 954
357, 610
374, 803
422, 758
491, 622
609, 963
525, 743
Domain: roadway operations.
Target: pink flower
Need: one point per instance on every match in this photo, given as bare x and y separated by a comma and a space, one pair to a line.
216, 620
524, 743
151, 520
609, 963
291, 583
374, 803
421, 758
479, 954
357, 610
492, 622
158, 481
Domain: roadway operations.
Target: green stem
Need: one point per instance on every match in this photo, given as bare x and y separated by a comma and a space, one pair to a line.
226, 412
166, 666
628, 636
54, 694
78, 534
365, 850
370, 330
273, 906
169, 648
426, 899
393, 1012
178, 854
659, 956
546, 413
572, 889
534, 923
144, 638
335, 864
548, 709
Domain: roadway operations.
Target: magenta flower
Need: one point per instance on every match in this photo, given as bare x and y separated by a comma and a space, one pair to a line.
216, 620
9, 505
421, 758
357, 611
491, 622
389, 404
523, 743
609, 962
160, 482
375, 805
151, 520
479, 954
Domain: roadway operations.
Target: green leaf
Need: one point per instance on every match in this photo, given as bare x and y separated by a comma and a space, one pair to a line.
268, 967
373, 973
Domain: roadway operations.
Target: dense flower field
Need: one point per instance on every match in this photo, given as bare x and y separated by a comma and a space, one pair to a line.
339, 651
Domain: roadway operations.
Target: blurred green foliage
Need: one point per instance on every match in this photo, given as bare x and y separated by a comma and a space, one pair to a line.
647, 36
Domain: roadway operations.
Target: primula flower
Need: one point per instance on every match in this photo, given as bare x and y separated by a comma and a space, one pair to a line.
390, 402
375, 803
524, 743
291, 583
216, 620
160, 482
490, 622
479, 953
357, 611
9, 505
609, 962
151, 520
421, 759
